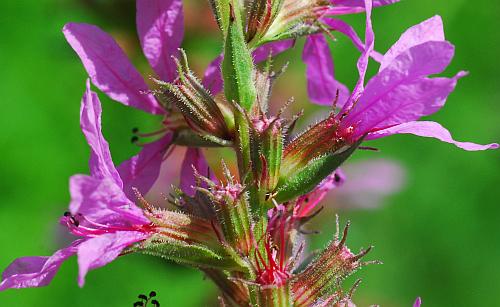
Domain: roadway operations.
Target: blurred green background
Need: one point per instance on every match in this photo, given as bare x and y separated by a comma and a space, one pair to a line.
438, 238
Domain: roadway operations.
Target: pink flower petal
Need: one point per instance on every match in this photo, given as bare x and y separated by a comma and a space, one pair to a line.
263, 52
344, 28
101, 164
109, 67
160, 25
102, 201
212, 79
426, 31
401, 92
142, 170
306, 204
343, 7
362, 63
194, 158
321, 84
430, 129
418, 302
27, 272
99, 251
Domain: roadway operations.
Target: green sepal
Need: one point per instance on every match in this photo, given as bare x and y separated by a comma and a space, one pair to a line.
305, 179
237, 66
190, 254
220, 8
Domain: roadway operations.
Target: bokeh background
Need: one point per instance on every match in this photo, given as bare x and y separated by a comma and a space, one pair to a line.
438, 236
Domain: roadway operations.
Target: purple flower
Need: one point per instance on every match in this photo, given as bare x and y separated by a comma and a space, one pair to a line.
403, 91
101, 215
160, 28
418, 302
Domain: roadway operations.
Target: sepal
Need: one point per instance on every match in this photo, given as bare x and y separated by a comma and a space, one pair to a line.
302, 180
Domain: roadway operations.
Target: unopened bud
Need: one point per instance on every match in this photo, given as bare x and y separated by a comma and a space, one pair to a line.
198, 107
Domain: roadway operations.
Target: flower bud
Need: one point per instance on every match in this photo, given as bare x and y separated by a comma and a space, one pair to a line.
268, 136
321, 279
295, 18
261, 16
198, 107
232, 212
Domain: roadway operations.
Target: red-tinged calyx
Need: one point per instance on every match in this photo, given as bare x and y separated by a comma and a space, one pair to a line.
321, 280
320, 139
261, 16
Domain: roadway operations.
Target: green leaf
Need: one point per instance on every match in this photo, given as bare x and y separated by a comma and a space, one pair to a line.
195, 255
237, 66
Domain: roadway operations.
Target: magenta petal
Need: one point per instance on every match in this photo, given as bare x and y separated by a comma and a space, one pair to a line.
160, 25
432, 130
101, 164
308, 203
263, 52
109, 68
27, 272
102, 201
344, 28
321, 84
426, 31
385, 103
362, 63
194, 158
343, 7
418, 302
101, 250
142, 170
212, 79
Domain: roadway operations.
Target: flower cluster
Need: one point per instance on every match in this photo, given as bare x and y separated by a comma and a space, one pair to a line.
244, 229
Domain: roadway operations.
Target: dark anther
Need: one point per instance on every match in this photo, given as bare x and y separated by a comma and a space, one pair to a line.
67, 213
134, 139
143, 297
137, 304
152, 294
307, 199
156, 303
76, 223
336, 177
135, 130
